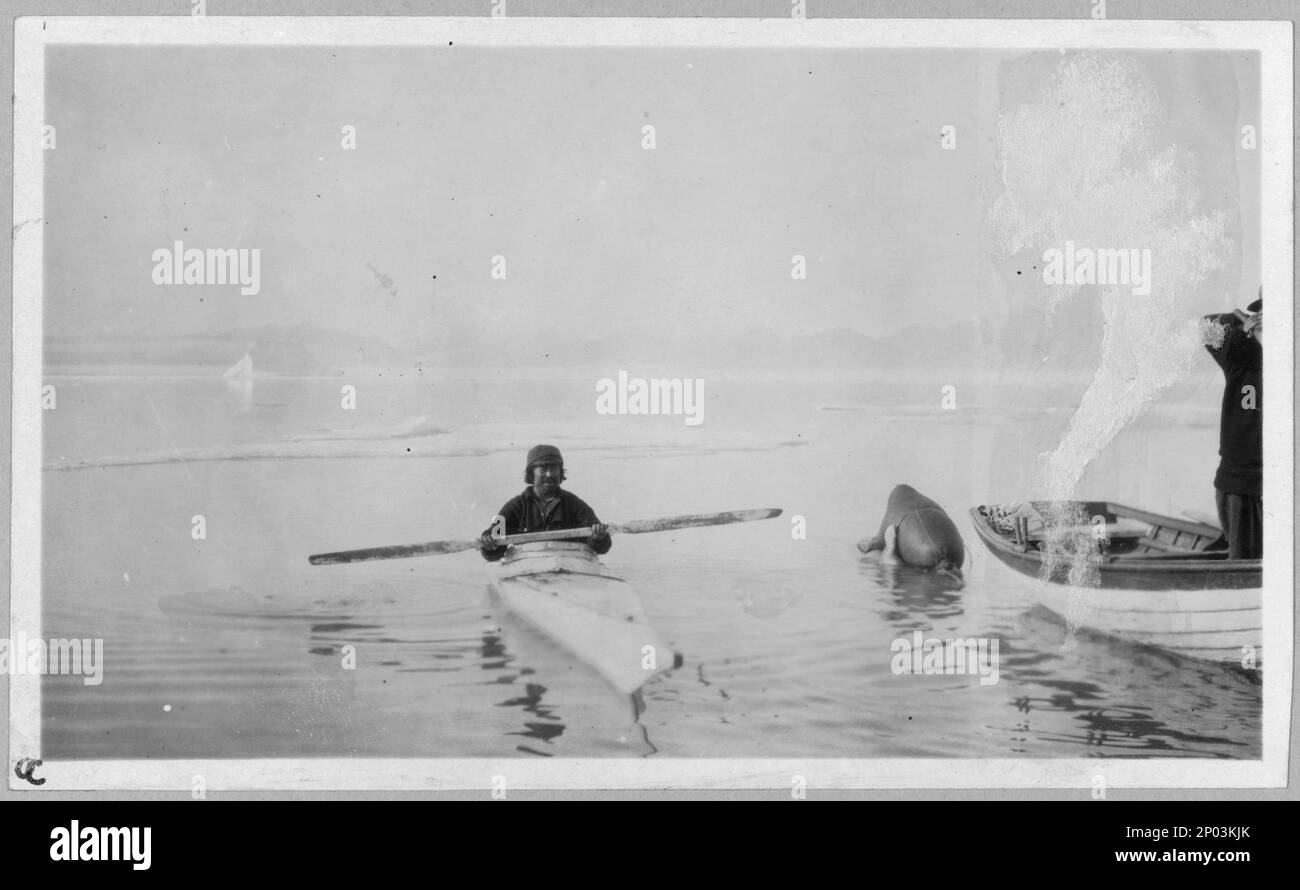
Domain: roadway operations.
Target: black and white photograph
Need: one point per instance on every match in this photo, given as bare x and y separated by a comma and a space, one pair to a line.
499, 404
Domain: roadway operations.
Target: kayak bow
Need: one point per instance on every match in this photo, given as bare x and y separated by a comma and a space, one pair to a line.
561, 589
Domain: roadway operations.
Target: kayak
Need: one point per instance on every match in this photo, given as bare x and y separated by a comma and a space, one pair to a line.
562, 590
558, 585
1156, 581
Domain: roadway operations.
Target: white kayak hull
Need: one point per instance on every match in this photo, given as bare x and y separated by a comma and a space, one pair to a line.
1209, 625
562, 590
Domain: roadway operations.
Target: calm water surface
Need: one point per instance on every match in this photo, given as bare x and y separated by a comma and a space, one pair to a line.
233, 646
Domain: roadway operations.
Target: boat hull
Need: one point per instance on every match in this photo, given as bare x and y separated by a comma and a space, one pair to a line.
1194, 604
563, 591
1218, 625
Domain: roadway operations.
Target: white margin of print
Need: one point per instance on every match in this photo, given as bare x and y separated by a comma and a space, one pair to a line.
1273, 40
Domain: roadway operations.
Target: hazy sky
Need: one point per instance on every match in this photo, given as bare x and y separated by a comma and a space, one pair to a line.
536, 155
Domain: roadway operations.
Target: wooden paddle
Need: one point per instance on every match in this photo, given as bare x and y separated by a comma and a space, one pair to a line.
638, 527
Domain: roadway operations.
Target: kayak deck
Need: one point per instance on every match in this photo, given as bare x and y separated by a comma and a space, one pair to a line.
562, 590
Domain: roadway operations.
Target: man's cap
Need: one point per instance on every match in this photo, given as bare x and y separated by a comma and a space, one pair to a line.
540, 454
1256, 306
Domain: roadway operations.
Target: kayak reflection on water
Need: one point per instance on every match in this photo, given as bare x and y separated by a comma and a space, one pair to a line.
540, 682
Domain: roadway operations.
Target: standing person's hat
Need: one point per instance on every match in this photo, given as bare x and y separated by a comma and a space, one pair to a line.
540, 454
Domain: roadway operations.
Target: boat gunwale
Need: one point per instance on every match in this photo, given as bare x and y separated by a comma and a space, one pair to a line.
1176, 564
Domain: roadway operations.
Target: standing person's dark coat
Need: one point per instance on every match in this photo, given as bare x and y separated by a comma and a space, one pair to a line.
1239, 481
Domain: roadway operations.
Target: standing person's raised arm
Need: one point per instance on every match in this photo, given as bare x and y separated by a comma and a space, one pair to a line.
1222, 349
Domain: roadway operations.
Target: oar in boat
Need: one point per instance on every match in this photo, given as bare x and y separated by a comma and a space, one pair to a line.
637, 527
1202, 517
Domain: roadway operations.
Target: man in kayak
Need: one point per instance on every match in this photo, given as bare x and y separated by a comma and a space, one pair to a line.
1238, 484
543, 506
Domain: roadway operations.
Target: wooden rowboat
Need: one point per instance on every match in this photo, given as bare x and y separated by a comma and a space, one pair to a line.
562, 590
1149, 578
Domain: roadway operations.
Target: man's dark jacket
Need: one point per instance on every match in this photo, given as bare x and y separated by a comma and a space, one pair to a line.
524, 513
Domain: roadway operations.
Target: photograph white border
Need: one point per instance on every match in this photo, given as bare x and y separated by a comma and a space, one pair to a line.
1273, 41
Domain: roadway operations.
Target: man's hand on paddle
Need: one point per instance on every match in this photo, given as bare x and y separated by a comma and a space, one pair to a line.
490, 543
490, 546
599, 532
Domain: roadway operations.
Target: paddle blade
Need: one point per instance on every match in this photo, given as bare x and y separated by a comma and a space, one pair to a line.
698, 520
399, 551
640, 526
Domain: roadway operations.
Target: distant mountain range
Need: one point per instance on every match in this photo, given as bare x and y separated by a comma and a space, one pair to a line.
1069, 340
277, 349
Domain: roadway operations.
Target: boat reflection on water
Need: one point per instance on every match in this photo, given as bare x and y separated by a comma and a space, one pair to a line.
545, 732
545, 725
1111, 715
1062, 688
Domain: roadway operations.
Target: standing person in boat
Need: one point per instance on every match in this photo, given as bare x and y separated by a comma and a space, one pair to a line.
544, 506
1238, 484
